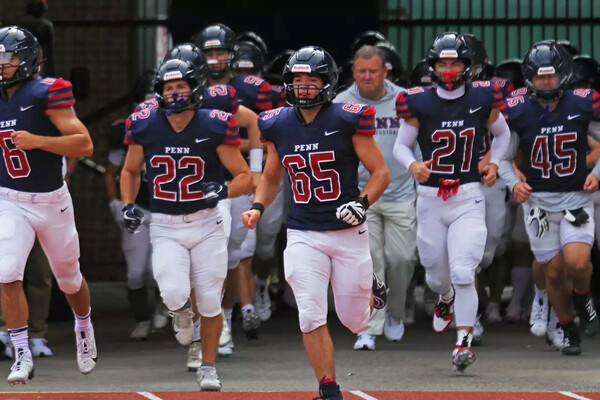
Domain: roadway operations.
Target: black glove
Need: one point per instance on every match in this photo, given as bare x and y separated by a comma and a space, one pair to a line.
539, 216
132, 218
577, 217
213, 192
353, 212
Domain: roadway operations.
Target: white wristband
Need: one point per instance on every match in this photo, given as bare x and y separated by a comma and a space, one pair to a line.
256, 158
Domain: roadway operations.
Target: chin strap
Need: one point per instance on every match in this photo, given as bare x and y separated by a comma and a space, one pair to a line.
177, 101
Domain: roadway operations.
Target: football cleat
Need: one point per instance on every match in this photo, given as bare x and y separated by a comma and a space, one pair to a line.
492, 313
262, 300
538, 321
208, 379
141, 330
39, 347
87, 354
477, 332
183, 325
442, 315
22, 369
379, 293
194, 357
463, 355
364, 342
393, 329
571, 340
160, 319
329, 391
584, 305
250, 323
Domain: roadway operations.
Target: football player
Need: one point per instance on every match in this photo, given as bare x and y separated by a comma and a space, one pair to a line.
320, 144
449, 121
38, 129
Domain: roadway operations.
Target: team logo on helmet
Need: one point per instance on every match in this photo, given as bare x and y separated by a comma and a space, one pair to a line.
301, 68
448, 54
169, 76
245, 64
209, 43
546, 71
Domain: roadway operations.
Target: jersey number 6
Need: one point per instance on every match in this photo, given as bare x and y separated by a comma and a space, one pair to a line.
296, 164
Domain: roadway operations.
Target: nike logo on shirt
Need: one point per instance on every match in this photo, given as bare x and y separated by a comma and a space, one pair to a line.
201, 140
474, 110
570, 117
327, 133
26, 108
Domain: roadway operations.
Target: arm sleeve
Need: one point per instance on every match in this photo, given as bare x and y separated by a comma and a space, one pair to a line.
403, 152
506, 170
499, 128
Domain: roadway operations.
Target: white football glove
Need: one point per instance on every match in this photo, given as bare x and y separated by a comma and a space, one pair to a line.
353, 212
538, 216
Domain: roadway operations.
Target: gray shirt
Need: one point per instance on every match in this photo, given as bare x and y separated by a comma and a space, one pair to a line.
402, 183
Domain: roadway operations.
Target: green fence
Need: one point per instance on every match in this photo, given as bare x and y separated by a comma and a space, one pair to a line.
507, 27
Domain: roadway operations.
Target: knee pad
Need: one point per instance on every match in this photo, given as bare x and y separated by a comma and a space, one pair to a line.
174, 297
351, 313
70, 284
208, 302
463, 275
10, 271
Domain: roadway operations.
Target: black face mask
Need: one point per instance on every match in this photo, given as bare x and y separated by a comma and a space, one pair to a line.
36, 8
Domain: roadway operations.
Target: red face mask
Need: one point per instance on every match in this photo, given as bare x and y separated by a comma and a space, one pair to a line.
449, 77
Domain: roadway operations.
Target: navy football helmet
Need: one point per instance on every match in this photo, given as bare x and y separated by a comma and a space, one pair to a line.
449, 45
274, 69
393, 62
256, 40
419, 75
177, 68
189, 52
218, 36
312, 60
248, 59
512, 71
545, 58
479, 55
18, 41
585, 72
367, 37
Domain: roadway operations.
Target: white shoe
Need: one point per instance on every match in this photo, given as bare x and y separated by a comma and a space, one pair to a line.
250, 324
141, 330
393, 329
183, 325
226, 350
364, 342
538, 321
39, 347
477, 332
492, 313
208, 379
262, 302
22, 369
8, 346
194, 357
160, 319
86, 349
554, 335
463, 355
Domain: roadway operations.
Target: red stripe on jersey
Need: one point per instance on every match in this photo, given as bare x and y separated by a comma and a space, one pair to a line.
232, 136
59, 96
404, 115
368, 112
595, 95
498, 96
265, 87
365, 132
59, 84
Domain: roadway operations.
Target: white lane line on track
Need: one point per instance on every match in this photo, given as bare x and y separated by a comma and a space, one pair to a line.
365, 396
574, 396
149, 396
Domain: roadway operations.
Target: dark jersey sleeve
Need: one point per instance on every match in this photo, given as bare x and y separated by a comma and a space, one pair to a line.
407, 103
59, 93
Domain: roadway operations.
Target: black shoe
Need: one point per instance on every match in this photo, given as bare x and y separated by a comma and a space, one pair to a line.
329, 391
587, 313
379, 293
571, 340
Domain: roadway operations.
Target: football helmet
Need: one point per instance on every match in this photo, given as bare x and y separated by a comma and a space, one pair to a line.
256, 40
547, 57
248, 59
312, 60
18, 41
218, 36
570, 47
585, 72
178, 68
449, 45
419, 76
189, 52
274, 68
393, 62
512, 71
479, 56
367, 37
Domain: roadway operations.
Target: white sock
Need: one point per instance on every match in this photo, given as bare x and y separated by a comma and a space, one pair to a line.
82, 322
466, 302
449, 295
19, 337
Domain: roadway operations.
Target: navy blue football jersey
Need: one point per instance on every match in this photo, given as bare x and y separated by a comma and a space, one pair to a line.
278, 96
176, 163
320, 160
32, 170
555, 143
218, 97
252, 92
451, 132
